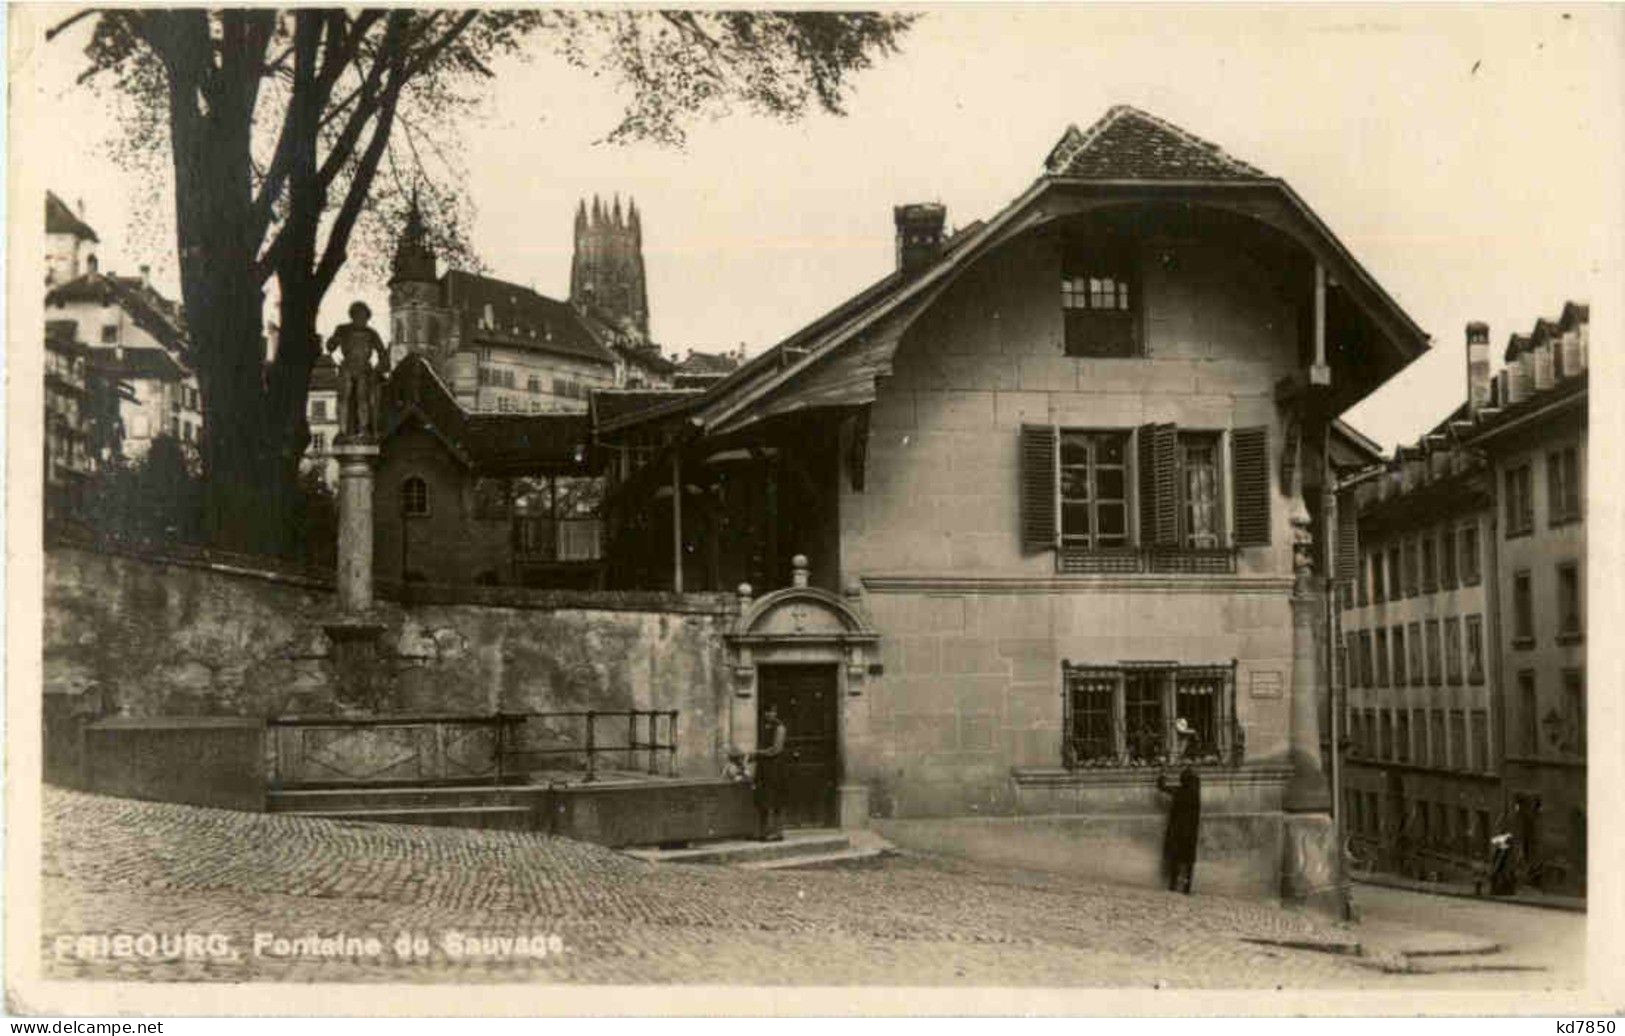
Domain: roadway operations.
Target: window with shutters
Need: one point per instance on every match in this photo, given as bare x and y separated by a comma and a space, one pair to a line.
1099, 302
1563, 486
1379, 586
1387, 745
1430, 567
1413, 572
1402, 736
1365, 658
1149, 714
1447, 557
1570, 628
1418, 667
1396, 580
1081, 490
1381, 636
1435, 654
1475, 649
1438, 750
1523, 611
1469, 554
1452, 650
1520, 504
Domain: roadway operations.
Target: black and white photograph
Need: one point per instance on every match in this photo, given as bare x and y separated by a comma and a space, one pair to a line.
1083, 503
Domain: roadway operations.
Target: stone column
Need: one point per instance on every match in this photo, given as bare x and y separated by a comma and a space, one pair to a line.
357, 464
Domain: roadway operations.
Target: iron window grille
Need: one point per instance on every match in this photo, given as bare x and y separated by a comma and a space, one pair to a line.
1127, 715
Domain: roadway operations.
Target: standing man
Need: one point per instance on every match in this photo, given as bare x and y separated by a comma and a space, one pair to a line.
356, 344
770, 777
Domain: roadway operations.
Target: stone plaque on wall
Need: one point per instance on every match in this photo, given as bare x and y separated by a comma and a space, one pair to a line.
1265, 684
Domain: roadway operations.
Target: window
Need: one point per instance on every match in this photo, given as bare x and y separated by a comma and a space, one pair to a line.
1435, 655
1447, 558
1098, 304
1452, 650
1523, 611
1379, 592
1094, 489
1396, 578
1402, 736
1399, 656
1418, 665
318, 410
1437, 751
1430, 566
1412, 569
1381, 637
1475, 649
1563, 485
318, 444
1458, 739
1569, 626
533, 384
1150, 699
1351, 659
1080, 488
109, 334
1469, 554
1366, 668
1387, 744
414, 497
1481, 740
1520, 508
1574, 712
1528, 713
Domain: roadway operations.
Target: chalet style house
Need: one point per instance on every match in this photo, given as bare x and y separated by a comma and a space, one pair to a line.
1039, 513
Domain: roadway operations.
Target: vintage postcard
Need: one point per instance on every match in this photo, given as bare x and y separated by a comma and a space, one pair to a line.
1057, 509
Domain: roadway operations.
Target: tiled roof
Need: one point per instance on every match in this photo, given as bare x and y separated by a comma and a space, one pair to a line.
612, 406
491, 444
1129, 144
59, 219
522, 318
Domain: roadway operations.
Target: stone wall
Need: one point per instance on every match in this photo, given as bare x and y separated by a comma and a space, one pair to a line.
161, 638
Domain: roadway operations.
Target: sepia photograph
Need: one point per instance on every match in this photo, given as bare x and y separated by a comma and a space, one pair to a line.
943, 501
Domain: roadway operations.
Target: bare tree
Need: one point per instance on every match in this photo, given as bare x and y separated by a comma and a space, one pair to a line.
279, 124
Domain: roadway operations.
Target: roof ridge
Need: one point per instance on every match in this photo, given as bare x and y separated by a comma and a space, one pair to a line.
1074, 143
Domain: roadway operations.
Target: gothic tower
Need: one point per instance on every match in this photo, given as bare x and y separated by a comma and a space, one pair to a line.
606, 275
417, 321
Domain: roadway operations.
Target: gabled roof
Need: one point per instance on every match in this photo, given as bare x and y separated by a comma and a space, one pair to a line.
59, 219
521, 318
706, 363
490, 444
1127, 156
1129, 144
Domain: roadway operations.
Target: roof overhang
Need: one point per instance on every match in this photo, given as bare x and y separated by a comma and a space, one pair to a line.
865, 332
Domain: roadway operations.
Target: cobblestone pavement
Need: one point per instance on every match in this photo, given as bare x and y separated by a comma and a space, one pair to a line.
114, 866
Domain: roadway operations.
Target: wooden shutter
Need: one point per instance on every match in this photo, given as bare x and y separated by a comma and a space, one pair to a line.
1038, 486
1250, 473
1348, 540
1158, 463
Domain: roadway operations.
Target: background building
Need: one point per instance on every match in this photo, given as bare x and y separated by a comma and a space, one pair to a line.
1534, 438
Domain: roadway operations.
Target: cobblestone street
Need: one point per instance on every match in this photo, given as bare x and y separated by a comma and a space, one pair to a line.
117, 866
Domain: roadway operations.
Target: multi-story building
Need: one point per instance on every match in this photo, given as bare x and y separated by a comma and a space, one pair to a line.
138, 336
702, 370
322, 415
69, 454
69, 242
1534, 441
501, 348
1421, 788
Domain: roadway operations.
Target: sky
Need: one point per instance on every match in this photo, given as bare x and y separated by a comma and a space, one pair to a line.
1468, 156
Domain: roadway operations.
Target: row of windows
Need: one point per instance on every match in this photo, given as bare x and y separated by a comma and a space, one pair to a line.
1423, 652
1438, 559
1445, 739
1148, 714
1570, 621
1564, 494
1562, 728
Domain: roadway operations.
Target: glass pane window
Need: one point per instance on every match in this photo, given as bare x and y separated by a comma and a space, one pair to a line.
1143, 715
1568, 600
1093, 707
1094, 489
1199, 467
1399, 656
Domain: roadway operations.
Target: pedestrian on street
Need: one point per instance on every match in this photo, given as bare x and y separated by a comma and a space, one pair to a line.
1502, 882
770, 777
1184, 828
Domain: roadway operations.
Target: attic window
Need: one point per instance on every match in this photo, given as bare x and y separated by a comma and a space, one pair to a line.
1099, 302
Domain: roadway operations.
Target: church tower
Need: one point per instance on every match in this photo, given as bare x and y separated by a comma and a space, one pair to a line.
417, 321
606, 276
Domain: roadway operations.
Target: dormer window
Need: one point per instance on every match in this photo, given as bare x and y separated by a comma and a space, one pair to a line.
1099, 302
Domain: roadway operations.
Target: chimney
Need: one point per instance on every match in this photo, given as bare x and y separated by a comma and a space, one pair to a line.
1478, 366
146, 276
919, 235
91, 263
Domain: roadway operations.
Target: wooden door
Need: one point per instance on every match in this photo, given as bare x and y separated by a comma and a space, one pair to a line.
806, 698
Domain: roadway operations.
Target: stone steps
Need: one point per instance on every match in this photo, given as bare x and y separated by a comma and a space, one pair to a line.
488, 818
807, 847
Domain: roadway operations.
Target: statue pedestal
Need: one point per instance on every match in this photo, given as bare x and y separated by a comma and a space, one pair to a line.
354, 633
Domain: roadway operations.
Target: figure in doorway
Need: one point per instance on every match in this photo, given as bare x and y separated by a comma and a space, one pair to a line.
1184, 828
356, 344
770, 777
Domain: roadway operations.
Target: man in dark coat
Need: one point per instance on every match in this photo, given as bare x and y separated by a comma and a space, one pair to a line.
1184, 828
769, 790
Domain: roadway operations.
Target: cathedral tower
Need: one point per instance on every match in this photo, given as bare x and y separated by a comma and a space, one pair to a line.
606, 276
417, 321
